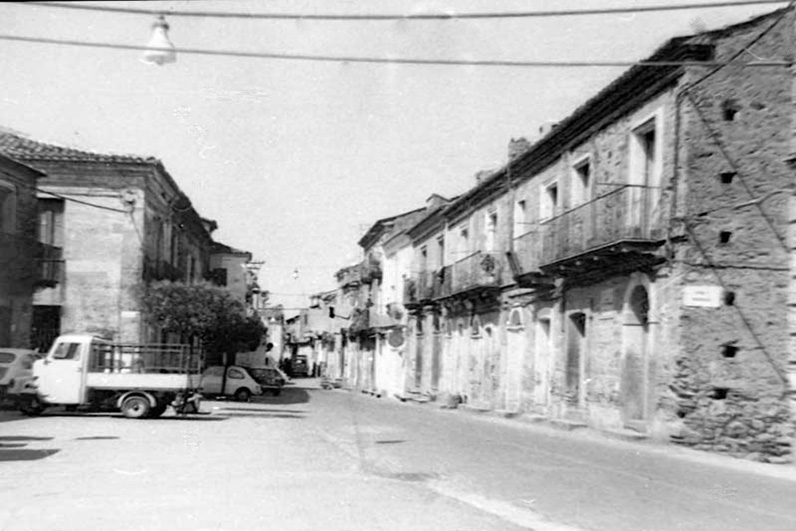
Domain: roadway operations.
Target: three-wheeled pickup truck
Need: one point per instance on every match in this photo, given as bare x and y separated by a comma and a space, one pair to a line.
87, 372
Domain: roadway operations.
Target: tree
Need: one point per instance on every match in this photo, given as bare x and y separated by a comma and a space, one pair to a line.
202, 311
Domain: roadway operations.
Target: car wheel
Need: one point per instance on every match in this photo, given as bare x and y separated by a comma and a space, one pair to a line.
243, 395
135, 407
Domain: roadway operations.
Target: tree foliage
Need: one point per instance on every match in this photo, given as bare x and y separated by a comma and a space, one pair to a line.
202, 311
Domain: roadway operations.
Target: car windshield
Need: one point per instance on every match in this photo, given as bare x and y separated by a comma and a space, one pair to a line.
7, 357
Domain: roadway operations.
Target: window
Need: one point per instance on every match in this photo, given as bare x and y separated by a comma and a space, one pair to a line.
235, 374
8, 208
441, 251
520, 218
174, 257
215, 371
51, 213
549, 204
464, 242
423, 258
491, 231
644, 153
646, 167
475, 326
67, 351
581, 182
220, 276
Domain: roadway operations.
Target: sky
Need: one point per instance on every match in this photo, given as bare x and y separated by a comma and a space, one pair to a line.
295, 160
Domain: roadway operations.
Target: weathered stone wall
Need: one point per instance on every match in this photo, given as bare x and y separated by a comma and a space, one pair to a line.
18, 267
731, 382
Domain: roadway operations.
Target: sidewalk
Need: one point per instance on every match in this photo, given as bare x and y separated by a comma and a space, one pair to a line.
535, 423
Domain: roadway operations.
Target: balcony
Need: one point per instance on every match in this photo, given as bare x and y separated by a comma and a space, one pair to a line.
527, 257
350, 276
426, 287
360, 320
50, 260
613, 230
481, 270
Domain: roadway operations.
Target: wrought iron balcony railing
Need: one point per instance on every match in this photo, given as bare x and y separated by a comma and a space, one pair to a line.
619, 216
479, 270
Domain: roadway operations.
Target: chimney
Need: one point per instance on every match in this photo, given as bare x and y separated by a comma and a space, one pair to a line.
482, 176
546, 128
434, 201
518, 146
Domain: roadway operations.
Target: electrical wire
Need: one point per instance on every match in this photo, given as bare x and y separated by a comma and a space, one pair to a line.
65, 198
411, 16
386, 60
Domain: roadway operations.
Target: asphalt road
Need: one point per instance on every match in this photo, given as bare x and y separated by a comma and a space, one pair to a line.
313, 459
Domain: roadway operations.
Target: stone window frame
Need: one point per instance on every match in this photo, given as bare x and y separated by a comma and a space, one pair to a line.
576, 177
651, 182
520, 226
491, 221
547, 209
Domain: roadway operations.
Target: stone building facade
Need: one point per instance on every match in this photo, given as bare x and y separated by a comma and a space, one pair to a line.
21, 267
631, 269
120, 221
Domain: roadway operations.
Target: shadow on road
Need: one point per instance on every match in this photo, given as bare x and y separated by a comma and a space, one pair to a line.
265, 409
25, 455
10, 415
12, 448
196, 417
289, 395
263, 415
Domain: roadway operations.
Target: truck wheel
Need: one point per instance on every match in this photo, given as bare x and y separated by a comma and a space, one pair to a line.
32, 407
135, 407
243, 395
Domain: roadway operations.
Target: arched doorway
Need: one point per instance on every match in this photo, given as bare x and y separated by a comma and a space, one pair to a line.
634, 368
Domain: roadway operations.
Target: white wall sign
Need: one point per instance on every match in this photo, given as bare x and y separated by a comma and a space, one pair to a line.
702, 296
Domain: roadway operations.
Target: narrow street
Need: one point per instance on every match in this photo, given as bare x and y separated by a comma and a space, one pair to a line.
313, 459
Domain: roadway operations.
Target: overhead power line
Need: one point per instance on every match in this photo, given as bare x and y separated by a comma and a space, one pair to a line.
411, 16
87, 203
385, 60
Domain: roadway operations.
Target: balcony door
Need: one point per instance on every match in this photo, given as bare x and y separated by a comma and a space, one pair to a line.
645, 176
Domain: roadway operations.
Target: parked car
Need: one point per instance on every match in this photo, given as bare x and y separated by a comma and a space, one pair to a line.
16, 368
299, 366
239, 383
269, 379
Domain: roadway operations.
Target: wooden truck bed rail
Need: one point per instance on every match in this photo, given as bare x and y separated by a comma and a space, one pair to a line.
145, 359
